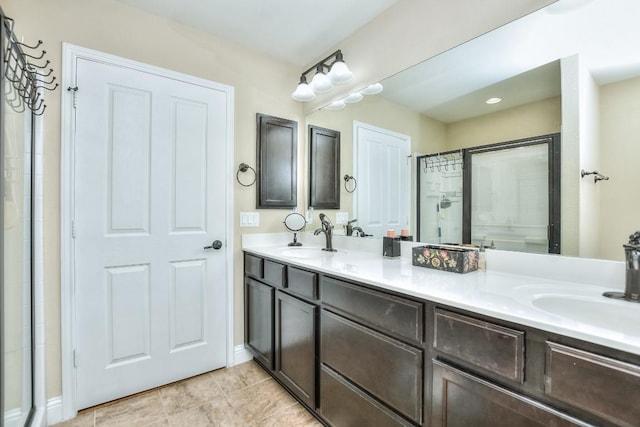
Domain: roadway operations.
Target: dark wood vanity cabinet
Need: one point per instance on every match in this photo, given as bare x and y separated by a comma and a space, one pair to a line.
356, 355
371, 350
281, 327
295, 365
259, 331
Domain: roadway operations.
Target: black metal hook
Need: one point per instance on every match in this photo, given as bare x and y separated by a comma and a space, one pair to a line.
29, 47
39, 113
42, 54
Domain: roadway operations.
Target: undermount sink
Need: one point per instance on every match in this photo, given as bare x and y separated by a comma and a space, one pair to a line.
599, 312
305, 252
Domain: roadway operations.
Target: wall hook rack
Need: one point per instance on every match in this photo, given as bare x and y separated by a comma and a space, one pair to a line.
597, 176
243, 167
25, 80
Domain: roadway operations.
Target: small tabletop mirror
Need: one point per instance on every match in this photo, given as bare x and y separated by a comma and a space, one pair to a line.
295, 222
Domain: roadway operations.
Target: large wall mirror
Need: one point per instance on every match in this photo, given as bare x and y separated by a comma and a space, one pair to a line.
572, 68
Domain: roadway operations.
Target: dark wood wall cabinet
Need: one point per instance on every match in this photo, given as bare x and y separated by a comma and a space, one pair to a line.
324, 168
277, 152
355, 355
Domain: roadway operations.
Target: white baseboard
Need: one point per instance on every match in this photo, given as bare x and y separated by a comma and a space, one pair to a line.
54, 410
241, 355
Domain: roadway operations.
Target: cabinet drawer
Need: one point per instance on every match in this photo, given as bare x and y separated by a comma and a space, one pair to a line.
275, 273
303, 283
485, 345
342, 404
461, 399
397, 315
600, 385
386, 368
253, 266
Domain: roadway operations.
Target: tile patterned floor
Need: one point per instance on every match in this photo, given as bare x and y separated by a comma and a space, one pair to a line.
244, 395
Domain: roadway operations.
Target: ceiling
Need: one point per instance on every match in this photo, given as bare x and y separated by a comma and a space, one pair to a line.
296, 31
454, 85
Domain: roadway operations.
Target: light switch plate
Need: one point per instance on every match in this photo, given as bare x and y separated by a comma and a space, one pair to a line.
309, 216
342, 217
249, 219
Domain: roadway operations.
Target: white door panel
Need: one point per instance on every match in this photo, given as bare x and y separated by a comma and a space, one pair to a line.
149, 175
382, 168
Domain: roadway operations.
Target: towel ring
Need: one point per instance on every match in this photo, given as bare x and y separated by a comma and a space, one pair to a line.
243, 167
348, 178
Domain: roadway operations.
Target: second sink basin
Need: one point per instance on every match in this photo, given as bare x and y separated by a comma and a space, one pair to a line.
619, 316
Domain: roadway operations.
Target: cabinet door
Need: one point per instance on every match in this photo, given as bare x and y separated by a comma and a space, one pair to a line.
277, 183
259, 304
462, 400
296, 346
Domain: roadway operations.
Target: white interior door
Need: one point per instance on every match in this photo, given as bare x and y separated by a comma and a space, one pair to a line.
149, 190
382, 168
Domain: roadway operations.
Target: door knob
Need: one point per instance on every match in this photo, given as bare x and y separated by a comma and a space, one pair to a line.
217, 244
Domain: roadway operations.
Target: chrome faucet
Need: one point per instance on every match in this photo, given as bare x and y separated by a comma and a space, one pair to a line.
327, 229
632, 276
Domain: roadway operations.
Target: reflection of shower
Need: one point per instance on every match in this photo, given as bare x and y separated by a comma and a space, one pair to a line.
446, 203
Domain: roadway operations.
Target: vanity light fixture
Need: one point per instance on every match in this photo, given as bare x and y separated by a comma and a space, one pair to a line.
336, 105
373, 89
322, 82
353, 98
493, 100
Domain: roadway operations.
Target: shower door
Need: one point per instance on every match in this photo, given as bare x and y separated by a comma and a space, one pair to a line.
16, 400
501, 196
512, 195
440, 198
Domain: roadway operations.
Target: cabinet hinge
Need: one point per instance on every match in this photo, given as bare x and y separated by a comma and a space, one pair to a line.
75, 358
547, 384
73, 229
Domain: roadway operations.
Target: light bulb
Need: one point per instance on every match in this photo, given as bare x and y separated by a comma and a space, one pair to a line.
354, 97
340, 73
372, 89
320, 83
303, 92
336, 105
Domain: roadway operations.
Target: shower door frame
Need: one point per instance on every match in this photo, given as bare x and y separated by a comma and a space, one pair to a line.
553, 142
30, 417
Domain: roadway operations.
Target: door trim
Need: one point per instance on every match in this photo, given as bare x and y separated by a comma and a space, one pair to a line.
70, 54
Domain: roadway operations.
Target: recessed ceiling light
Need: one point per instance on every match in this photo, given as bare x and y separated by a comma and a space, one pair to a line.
493, 100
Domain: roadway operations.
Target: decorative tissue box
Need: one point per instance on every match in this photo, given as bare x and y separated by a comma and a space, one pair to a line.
457, 259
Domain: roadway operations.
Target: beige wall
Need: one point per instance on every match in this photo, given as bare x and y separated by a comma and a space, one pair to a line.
534, 119
619, 154
261, 85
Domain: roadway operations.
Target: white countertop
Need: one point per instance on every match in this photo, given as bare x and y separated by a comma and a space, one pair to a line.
575, 308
